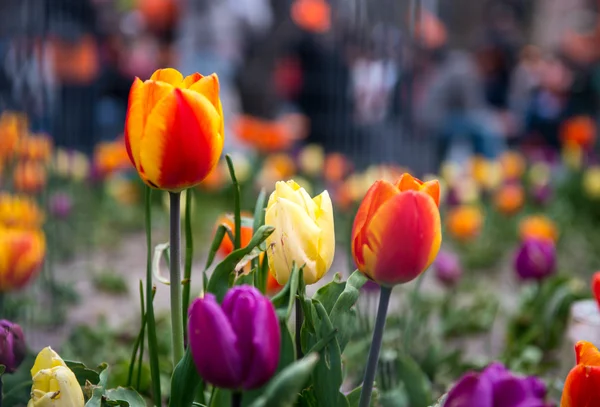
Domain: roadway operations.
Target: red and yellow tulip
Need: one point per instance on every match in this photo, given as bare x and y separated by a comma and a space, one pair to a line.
35, 147
174, 130
583, 382
579, 131
19, 212
21, 257
109, 157
13, 126
29, 177
397, 231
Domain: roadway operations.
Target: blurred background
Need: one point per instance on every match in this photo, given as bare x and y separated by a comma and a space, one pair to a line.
498, 99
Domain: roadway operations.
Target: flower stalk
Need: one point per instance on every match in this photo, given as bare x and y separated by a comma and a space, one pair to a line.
367, 389
175, 277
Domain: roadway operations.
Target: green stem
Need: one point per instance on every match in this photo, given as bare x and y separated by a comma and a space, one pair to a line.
299, 321
139, 339
367, 389
236, 399
152, 342
189, 253
237, 205
175, 278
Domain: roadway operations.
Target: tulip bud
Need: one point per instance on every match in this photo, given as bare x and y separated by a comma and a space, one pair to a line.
12, 345
582, 383
304, 232
235, 345
464, 222
60, 205
447, 268
397, 232
54, 384
21, 257
535, 259
174, 130
509, 199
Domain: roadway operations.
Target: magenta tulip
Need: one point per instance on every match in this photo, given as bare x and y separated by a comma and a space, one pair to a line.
12, 345
535, 259
235, 345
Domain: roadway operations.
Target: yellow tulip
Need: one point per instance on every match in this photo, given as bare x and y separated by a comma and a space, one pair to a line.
304, 232
54, 384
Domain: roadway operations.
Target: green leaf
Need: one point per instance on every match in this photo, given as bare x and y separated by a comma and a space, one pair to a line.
83, 373
284, 389
221, 398
100, 388
130, 396
330, 292
287, 296
416, 383
237, 214
186, 380
343, 314
354, 397
2, 369
214, 246
440, 401
221, 278
259, 210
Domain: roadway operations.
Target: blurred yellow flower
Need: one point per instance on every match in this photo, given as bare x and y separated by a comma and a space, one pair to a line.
19, 212
36, 147
539, 174
486, 173
591, 182
513, 165
311, 160
572, 156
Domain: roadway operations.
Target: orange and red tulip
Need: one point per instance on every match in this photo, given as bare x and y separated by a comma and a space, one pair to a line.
13, 126
509, 199
513, 165
596, 287
312, 15
538, 227
35, 147
174, 130
29, 177
21, 257
397, 231
583, 382
579, 131
464, 222
336, 168
19, 212
109, 157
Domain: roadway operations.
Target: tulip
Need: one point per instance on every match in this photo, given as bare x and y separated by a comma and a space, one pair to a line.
29, 177
535, 259
312, 15
509, 199
596, 287
464, 222
19, 212
397, 233
276, 167
109, 157
60, 205
35, 148
447, 268
591, 182
54, 384
13, 126
235, 345
513, 165
496, 387
21, 257
336, 167
304, 232
12, 345
538, 227
579, 131
174, 130
270, 135
246, 231
583, 381
311, 160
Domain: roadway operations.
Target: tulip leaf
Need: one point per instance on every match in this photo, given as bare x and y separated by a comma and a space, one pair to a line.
222, 277
214, 247
2, 369
285, 299
220, 398
416, 383
259, 210
99, 389
329, 293
186, 380
343, 314
354, 397
237, 242
131, 397
284, 389
83, 373
160, 251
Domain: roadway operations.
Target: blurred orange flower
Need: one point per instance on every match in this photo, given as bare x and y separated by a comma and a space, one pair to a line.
29, 177
312, 15
19, 212
513, 165
509, 199
35, 148
21, 257
275, 168
270, 135
13, 126
215, 179
110, 157
579, 131
337, 166
539, 227
464, 222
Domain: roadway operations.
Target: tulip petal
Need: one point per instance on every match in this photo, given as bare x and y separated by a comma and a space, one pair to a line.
182, 143
143, 96
587, 354
291, 191
168, 75
213, 343
208, 86
190, 80
46, 359
380, 192
292, 241
432, 188
581, 387
324, 220
470, 392
405, 234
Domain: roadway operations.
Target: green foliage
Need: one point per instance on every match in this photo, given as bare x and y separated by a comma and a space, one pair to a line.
110, 282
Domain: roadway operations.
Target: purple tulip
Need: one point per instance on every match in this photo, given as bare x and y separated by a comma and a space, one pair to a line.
496, 386
542, 194
12, 345
535, 259
235, 345
447, 268
60, 205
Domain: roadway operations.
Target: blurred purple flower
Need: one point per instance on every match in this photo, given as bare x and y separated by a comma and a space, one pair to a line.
535, 259
60, 205
542, 194
235, 345
448, 269
496, 386
12, 345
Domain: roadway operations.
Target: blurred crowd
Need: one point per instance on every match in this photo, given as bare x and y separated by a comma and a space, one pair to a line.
304, 71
